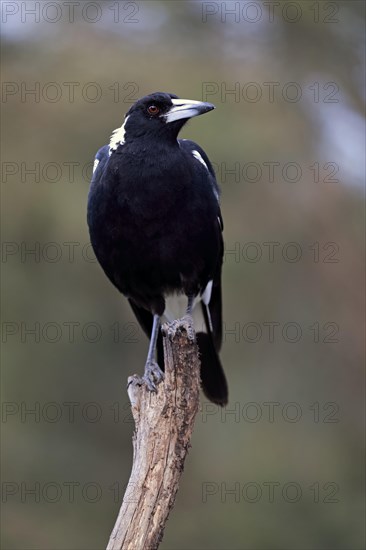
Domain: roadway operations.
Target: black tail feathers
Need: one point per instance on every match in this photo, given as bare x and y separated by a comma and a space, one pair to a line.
213, 379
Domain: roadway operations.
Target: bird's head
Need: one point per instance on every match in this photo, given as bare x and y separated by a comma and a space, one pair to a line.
158, 116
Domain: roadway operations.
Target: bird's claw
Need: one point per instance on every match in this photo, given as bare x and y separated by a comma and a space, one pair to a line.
153, 375
188, 319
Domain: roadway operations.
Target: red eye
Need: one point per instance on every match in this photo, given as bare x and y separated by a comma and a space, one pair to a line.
153, 110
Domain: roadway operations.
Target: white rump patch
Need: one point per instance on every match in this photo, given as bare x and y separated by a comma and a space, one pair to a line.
117, 137
95, 165
199, 158
176, 307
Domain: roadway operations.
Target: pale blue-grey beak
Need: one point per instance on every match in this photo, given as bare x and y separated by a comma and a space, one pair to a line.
187, 108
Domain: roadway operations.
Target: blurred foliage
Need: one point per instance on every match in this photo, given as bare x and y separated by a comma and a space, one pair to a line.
172, 48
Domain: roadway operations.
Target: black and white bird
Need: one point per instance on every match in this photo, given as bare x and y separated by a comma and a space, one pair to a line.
156, 229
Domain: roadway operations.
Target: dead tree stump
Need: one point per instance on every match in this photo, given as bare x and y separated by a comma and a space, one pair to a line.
163, 428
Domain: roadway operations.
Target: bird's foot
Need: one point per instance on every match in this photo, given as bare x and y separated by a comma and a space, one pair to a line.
153, 375
188, 320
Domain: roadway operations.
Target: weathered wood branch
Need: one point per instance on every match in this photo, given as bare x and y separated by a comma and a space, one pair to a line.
163, 428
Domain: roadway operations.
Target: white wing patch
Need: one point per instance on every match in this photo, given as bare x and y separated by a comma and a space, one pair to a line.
95, 165
206, 296
117, 137
199, 158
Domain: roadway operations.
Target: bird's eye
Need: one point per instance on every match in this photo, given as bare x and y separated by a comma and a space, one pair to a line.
153, 110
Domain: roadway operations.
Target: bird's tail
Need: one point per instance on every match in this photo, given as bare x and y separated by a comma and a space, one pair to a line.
213, 379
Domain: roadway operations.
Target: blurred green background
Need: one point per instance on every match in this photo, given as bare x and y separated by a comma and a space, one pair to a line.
282, 467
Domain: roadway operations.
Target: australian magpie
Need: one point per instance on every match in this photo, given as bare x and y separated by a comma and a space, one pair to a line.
156, 229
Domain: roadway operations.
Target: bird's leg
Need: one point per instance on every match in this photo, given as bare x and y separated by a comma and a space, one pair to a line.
153, 374
190, 305
188, 316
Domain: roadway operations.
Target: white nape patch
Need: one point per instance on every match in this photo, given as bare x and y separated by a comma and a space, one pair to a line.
206, 296
95, 165
117, 137
199, 158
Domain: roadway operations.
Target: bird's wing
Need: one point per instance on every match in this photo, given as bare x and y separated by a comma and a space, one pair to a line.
100, 161
212, 310
207, 312
199, 154
211, 302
